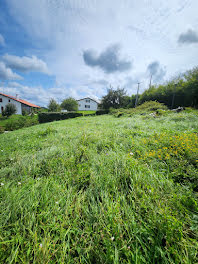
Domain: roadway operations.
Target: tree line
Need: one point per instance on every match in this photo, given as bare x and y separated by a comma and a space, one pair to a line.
180, 91
69, 104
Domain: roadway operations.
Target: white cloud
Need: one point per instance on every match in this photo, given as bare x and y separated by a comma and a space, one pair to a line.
7, 73
2, 41
61, 30
25, 64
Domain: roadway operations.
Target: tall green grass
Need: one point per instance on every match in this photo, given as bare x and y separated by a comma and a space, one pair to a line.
92, 190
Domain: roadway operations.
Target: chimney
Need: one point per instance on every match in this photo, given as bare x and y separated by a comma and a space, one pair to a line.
16, 96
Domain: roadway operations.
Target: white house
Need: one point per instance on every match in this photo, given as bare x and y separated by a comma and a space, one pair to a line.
87, 104
19, 103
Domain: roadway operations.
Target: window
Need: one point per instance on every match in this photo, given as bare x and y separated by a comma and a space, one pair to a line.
79, 105
1, 109
1, 100
87, 106
87, 101
9, 100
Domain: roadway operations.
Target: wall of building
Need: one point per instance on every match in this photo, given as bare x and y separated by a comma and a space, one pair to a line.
6, 100
87, 105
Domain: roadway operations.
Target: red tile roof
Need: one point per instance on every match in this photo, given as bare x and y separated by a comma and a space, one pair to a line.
20, 100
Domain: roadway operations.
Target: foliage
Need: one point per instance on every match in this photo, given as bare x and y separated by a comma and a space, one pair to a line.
145, 108
102, 112
2, 129
181, 91
24, 112
92, 190
114, 98
50, 117
18, 122
69, 104
10, 109
87, 112
53, 106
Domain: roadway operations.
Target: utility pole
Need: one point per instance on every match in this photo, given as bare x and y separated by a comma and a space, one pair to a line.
136, 100
173, 98
150, 81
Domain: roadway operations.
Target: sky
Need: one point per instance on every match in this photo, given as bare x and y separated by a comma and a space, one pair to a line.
79, 48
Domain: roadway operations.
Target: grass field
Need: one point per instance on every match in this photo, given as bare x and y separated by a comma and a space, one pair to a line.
88, 112
101, 190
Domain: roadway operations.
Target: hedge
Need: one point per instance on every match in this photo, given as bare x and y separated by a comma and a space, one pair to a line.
55, 116
102, 112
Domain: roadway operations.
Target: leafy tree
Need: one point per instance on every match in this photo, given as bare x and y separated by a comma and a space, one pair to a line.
10, 109
114, 98
69, 104
181, 91
53, 106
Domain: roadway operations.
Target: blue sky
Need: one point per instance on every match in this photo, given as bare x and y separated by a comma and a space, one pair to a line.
56, 49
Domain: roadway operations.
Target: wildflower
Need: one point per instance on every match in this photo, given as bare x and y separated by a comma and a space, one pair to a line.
19, 183
56, 202
150, 190
112, 238
131, 153
128, 247
2, 183
41, 245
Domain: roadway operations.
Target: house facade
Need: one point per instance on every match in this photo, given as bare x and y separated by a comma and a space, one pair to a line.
87, 104
19, 103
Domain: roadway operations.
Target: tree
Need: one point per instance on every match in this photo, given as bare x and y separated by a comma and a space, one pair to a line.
53, 106
10, 109
114, 98
69, 104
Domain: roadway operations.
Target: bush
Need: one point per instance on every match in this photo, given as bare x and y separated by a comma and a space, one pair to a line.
10, 109
143, 109
1, 130
151, 106
20, 122
24, 112
102, 112
50, 117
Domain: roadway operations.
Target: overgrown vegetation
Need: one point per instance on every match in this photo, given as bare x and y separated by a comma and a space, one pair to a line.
180, 91
101, 190
16, 122
148, 108
10, 109
184, 88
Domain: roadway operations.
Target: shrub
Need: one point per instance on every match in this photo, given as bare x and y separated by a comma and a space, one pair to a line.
10, 109
20, 122
151, 106
142, 109
50, 117
24, 112
102, 112
1, 130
